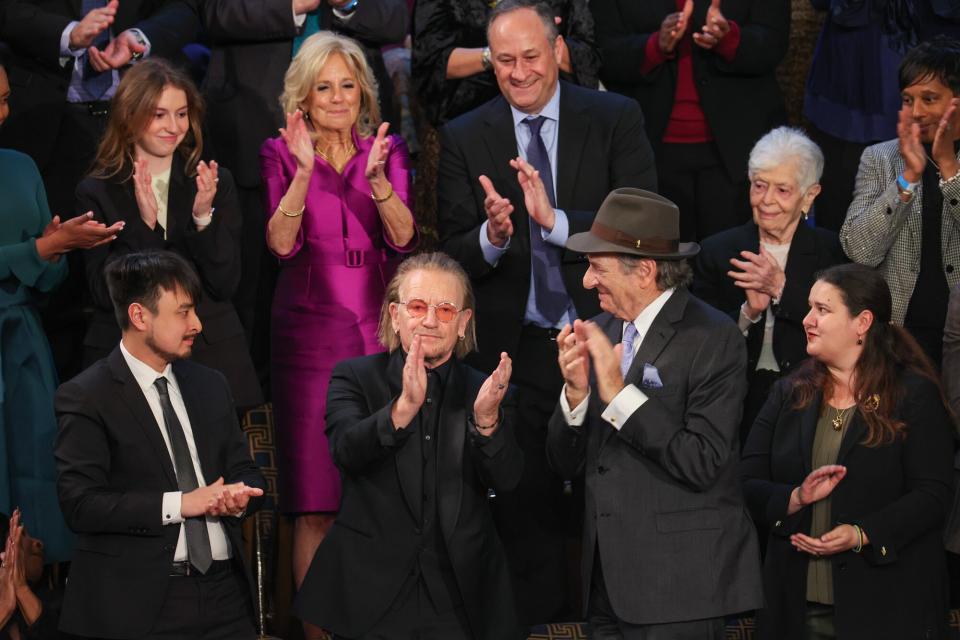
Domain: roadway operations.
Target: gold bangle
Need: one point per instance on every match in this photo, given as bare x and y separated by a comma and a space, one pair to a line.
384, 198
290, 214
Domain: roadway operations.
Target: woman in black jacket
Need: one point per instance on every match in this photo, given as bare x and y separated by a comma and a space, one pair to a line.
849, 464
147, 174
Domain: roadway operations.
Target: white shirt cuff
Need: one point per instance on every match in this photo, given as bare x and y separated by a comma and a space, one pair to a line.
65, 51
623, 405
491, 253
560, 232
203, 222
171, 507
577, 415
745, 321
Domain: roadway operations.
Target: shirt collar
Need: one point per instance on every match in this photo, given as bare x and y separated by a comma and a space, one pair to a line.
643, 321
551, 110
144, 374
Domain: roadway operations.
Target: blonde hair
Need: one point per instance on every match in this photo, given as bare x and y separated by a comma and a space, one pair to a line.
312, 58
439, 262
131, 110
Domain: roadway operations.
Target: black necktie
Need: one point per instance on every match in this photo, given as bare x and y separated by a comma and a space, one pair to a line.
95, 83
552, 299
198, 538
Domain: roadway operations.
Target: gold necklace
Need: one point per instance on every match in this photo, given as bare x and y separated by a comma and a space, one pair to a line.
837, 421
338, 166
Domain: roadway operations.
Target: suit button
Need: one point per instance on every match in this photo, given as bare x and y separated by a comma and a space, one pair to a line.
427, 437
786, 364
429, 400
777, 523
604, 515
953, 202
949, 268
883, 551
889, 211
602, 469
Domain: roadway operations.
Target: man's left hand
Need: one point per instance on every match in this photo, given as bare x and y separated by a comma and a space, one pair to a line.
606, 362
233, 500
534, 194
486, 408
118, 53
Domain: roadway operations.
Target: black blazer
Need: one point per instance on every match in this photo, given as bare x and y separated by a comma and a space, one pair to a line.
811, 250
113, 469
251, 46
899, 493
663, 501
39, 82
601, 146
741, 99
214, 253
373, 546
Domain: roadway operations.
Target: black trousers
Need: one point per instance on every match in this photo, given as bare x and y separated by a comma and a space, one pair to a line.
413, 616
607, 626
211, 607
694, 178
540, 521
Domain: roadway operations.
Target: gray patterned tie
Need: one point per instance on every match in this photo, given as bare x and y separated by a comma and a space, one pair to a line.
198, 538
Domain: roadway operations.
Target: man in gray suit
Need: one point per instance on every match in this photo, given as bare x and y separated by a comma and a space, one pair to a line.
668, 547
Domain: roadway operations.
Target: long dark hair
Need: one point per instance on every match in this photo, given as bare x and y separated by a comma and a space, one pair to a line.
888, 350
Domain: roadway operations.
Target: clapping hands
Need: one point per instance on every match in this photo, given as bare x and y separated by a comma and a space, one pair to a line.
298, 142
218, 499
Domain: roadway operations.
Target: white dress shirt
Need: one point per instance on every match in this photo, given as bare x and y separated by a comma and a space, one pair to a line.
630, 397
145, 376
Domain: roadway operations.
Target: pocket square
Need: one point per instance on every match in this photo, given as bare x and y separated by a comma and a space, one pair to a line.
651, 377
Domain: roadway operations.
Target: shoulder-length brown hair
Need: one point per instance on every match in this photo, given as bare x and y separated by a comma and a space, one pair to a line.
312, 57
132, 108
443, 263
888, 351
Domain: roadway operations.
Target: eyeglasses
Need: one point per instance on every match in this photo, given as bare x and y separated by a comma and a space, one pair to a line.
417, 308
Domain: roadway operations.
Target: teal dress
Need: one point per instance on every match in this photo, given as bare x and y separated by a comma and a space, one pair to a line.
28, 475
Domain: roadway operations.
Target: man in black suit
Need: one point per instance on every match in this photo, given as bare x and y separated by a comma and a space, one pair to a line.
419, 439
669, 549
252, 43
517, 175
149, 441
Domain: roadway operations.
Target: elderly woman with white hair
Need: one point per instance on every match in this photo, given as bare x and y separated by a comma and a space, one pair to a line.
761, 272
337, 192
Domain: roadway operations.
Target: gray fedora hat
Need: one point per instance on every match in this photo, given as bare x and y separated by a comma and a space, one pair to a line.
635, 222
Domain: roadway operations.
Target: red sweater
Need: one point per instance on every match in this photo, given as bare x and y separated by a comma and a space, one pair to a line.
687, 124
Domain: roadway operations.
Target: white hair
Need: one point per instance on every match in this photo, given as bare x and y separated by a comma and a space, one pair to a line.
782, 145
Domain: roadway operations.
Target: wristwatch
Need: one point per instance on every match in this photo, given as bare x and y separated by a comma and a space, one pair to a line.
485, 59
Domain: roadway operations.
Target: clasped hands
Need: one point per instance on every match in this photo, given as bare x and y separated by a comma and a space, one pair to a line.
119, 51
819, 484
760, 277
674, 26
498, 208
579, 346
218, 499
486, 407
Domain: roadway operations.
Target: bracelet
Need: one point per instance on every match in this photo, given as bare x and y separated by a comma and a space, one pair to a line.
290, 214
859, 547
953, 178
384, 198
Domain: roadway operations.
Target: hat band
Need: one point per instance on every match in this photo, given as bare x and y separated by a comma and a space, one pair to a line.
650, 245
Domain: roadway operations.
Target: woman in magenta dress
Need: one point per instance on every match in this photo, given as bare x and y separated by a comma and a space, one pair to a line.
337, 192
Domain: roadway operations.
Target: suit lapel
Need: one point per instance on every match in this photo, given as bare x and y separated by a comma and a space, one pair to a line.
571, 138
659, 335
193, 401
451, 436
136, 402
409, 467
500, 141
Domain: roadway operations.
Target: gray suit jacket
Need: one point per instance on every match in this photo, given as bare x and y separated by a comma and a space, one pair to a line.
663, 499
884, 232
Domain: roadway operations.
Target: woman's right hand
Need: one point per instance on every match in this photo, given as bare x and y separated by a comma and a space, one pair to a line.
815, 487
298, 141
143, 190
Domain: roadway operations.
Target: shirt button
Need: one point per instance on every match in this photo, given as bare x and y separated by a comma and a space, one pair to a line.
168, 516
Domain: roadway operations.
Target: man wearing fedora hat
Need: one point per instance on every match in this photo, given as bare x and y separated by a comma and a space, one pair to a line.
652, 423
